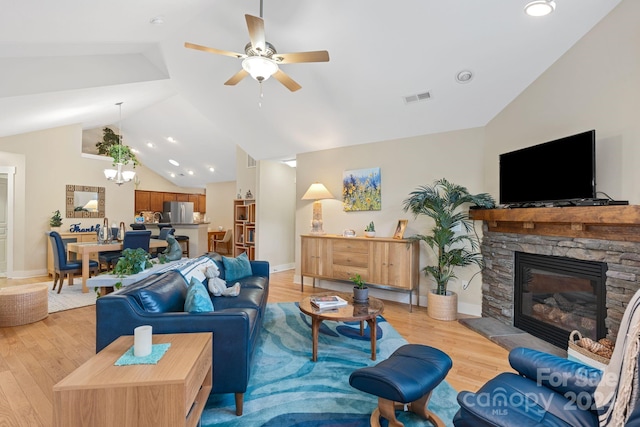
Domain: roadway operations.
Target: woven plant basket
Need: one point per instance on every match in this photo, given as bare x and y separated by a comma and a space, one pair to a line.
576, 336
442, 307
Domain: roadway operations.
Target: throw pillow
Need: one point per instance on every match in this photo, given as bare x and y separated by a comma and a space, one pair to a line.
237, 268
197, 300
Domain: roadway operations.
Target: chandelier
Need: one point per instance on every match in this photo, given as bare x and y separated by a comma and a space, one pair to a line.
118, 175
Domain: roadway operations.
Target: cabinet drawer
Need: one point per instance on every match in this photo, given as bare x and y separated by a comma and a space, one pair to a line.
345, 272
357, 246
351, 259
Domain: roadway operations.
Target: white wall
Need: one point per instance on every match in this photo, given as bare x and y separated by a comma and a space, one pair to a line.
595, 85
405, 164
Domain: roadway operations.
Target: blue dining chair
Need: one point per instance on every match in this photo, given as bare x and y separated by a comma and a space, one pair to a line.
132, 240
63, 267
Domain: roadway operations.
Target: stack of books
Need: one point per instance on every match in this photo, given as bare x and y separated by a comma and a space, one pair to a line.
327, 302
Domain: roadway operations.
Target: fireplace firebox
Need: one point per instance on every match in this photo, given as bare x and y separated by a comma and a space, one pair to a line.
555, 295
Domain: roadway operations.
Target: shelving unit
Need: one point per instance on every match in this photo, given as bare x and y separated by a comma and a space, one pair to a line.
244, 228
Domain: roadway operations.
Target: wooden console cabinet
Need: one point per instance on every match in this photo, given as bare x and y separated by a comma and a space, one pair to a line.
172, 393
386, 263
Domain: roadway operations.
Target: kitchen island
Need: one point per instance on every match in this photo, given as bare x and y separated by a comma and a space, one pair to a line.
196, 231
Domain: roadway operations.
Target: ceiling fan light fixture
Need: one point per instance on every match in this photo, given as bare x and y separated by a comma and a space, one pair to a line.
259, 67
540, 7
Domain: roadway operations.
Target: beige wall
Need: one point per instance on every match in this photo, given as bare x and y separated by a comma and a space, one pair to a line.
47, 161
276, 212
596, 85
404, 165
220, 197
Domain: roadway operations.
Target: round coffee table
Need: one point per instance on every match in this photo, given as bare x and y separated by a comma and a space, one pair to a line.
350, 313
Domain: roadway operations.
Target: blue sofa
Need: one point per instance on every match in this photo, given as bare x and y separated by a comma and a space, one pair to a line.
159, 300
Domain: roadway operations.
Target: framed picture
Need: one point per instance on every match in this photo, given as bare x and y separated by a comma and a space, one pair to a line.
361, 190
402, 225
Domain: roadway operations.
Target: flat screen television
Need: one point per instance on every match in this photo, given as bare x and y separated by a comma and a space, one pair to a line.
559, 170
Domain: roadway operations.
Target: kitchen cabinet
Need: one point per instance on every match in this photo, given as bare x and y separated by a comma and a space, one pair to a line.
387, 263
154, 200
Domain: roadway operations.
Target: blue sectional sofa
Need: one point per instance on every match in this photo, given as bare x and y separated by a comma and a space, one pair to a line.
159, 300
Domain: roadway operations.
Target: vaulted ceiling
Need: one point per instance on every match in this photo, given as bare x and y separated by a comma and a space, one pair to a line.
70, 61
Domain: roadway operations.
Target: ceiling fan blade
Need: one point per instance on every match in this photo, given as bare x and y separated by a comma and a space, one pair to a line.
256, 32
291, 58
214, 50
287, 81
235, 79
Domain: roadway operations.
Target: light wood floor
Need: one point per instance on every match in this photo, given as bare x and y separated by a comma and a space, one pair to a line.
35, 357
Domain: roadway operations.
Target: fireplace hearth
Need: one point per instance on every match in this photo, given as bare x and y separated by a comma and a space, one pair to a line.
556, 295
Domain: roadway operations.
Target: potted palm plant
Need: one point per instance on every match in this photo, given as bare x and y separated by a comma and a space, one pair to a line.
445, 203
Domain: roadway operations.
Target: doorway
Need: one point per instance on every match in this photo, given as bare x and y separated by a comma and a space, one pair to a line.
7, 174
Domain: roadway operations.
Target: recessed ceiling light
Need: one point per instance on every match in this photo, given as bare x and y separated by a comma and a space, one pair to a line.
540, 7
173, 162
173, 175
135, 151
211, 169
464, 76
150, 144
190, 172
170, 139
157, 20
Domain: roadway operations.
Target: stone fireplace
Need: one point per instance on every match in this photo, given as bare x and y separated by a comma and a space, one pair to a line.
605, 236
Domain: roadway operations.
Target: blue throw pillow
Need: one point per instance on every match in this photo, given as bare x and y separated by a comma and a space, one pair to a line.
197, 300
236, 268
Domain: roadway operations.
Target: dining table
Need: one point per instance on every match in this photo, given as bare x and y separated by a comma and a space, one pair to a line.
85, 249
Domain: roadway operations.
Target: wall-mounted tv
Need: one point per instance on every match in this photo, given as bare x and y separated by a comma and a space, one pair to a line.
559, 170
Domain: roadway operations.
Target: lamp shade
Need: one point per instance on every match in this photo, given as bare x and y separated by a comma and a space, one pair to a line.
259, 67
317, 191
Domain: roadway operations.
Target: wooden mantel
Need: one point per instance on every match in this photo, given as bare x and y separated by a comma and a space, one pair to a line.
616, 223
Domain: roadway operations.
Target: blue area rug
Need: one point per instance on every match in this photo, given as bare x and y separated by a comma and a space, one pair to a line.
288, 389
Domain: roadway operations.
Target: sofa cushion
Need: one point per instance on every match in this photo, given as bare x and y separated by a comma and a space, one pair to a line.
257, 282
166, 294
236, 268
197, 299
248, 298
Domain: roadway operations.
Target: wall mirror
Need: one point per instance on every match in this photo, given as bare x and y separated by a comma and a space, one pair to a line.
85, 202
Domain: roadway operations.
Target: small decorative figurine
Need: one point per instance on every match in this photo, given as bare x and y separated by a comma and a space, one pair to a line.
248, 195
239, 195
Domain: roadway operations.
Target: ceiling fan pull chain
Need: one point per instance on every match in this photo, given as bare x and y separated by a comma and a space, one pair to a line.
261, 96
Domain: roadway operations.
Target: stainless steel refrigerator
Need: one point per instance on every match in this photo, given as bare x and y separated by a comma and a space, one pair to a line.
177, 212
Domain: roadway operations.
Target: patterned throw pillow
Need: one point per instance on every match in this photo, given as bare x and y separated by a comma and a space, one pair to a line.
197, 300
237, 268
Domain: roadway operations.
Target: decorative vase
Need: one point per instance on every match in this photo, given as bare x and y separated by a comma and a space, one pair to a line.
369, 234
360, 295
442, 307
56, 229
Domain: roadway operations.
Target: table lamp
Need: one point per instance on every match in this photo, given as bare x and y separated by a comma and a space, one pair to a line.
317, 192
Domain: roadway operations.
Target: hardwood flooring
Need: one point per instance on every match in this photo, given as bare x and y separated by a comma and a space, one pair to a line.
35, 357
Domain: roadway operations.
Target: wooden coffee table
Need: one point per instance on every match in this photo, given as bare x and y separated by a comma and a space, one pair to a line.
350, 313
171, 393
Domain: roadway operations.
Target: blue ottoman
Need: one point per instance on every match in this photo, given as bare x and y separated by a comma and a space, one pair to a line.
409, 375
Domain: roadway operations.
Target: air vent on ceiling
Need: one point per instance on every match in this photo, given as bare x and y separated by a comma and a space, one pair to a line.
425, 96
251, 162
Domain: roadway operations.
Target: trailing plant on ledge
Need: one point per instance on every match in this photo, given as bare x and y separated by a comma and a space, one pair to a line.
133, 261
111, 146
442, 202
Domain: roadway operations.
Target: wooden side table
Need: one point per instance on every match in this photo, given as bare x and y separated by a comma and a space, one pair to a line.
171, 393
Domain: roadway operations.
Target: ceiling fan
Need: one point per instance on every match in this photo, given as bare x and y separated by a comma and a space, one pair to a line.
260, 58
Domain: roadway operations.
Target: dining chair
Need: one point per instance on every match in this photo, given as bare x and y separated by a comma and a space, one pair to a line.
223, 243
132, 240
63, 267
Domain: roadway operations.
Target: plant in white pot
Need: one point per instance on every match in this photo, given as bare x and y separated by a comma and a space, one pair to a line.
55, 222
370, 230
447, 205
